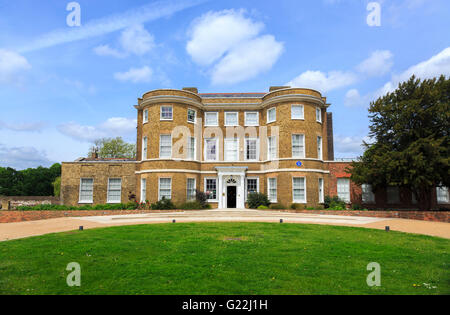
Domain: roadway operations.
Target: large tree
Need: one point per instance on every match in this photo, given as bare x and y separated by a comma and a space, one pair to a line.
410, 140
113, 148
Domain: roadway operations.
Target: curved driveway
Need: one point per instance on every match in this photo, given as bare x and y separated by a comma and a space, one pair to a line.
10, 231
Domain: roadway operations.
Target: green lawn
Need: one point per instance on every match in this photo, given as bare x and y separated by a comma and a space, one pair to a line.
226, 258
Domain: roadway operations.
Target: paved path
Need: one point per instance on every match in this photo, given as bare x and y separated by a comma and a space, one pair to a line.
10, 231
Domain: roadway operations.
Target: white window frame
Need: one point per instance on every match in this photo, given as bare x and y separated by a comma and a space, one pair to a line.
321, 190
161, 112
217, 119
268, 115
319, 114
144, 148
160, 146
246, 185
303, 112
347, 198
143, 189
247, 124
269, 188
257, 149
109, 189
189, 147
217, 188
195, 116
320, 148
79, 192
226, 119
234, 140
442, 202
145, 116
304, 188
269, 151
367, 195
206, 149
159, 187
301, 156
187, 188
397, 196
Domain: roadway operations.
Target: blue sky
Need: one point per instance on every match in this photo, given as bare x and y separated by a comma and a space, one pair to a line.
61, 87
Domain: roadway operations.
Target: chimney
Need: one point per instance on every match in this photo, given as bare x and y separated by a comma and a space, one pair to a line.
94, 154
330, 144
275, 88
191, 89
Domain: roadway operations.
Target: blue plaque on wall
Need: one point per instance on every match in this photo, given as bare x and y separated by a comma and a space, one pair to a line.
299, 164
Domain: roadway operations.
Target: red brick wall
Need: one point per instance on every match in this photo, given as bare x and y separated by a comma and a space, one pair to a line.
337, 170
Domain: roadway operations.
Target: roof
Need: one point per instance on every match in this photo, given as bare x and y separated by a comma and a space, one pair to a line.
231, 95
105, 160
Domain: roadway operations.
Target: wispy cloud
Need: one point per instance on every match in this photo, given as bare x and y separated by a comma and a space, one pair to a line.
23, 127
112, 23
23, 157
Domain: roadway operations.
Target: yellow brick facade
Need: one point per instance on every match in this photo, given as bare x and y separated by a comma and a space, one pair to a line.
179, 167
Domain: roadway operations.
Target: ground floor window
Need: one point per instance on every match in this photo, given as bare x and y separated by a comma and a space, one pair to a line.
211, 188
143, 189
86, 190
393, 195
343, 189
321, 195
191, 189
114, 190
442, 194
367, 194
252, 186
165, 188
272, 189
299, 189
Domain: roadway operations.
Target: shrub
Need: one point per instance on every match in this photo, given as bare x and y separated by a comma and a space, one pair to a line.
263, 207
201, 197
310, 208
192, 205
356, 206
333, 202
163, 204
255, 200
277, 206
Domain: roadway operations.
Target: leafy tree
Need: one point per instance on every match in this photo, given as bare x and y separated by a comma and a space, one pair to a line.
410, 132
57, 186
113, 148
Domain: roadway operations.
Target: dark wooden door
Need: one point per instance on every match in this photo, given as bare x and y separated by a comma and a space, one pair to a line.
231, 197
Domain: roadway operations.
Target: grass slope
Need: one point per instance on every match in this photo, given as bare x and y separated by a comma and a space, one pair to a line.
226, 258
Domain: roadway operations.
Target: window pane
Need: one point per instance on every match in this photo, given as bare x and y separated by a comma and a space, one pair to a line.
251, 119
272, 148
190, 189
272, 189
165, 188
299, 189
343, 189
251, 149
86, 189
297, 112
211, 189
231, 150
271, 113
143, 190
252, 185
231, 119
166, 112
211, 119
191, 115
211, 149
146, 115
442, 194
367, 194
165, 146
191, 148
298, 149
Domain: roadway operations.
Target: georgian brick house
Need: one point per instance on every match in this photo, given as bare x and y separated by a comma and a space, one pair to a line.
228, 145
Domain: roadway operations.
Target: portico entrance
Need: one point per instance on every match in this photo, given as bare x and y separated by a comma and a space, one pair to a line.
231, 186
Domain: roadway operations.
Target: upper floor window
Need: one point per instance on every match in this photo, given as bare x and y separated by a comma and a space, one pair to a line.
298, 189
442, 194
271, 148
211, 149
367, 194
165, 146
318, 114
114, 190
145, 120
297, 112
319, 148
191, 115
298, 146
166, 113
144, 148
165, 188
271, 115
393, 195
343, 189
211, 119
251, 149
86, 190
231, 149
231, 119
251, 118
191, 148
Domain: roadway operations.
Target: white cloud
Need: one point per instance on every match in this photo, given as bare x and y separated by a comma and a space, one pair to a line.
22, 157
135, 75
12, 66
26, 127
105, 50
112, 127
323, 82
349, 146
214, 33
379, 63
109, 24
137, 40
247, 60
229, 43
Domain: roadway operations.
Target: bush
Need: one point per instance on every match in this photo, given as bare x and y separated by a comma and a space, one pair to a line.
277, 206
163, 204
255, 200
263, 207
201, 198
356, 206
334, 202
192, 205
310, 208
